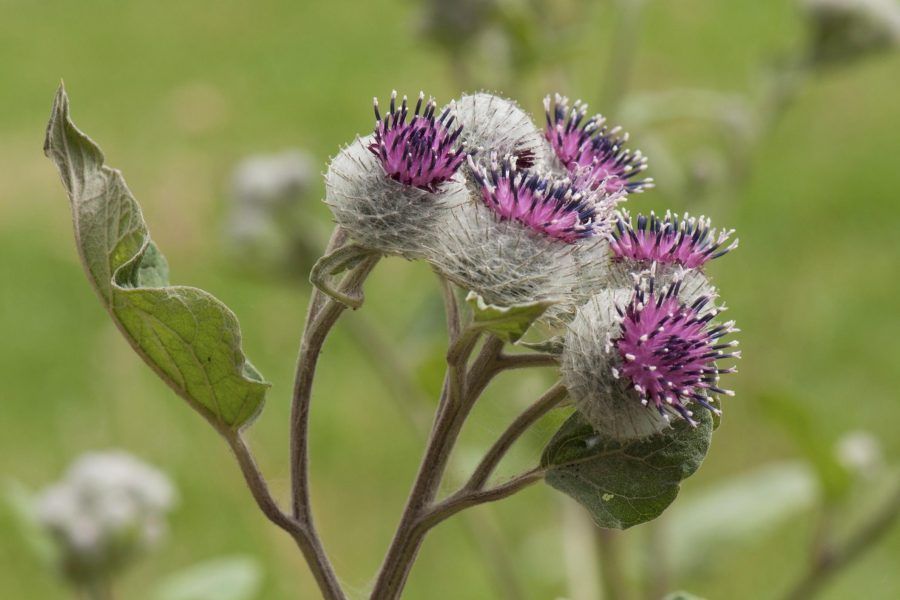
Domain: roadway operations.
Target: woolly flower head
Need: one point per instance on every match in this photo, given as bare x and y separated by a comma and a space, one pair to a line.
494, 124
687, 241
632, 359
592, 151
108, 507
389, 189
520, 242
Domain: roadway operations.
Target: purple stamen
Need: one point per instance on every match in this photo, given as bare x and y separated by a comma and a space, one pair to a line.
686, 241
672, 369
593, 152
553, 208
421, 152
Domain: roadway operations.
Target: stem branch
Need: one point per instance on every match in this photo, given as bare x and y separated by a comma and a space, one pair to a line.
830, 561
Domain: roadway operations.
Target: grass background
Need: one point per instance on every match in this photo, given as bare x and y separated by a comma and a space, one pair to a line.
177, 92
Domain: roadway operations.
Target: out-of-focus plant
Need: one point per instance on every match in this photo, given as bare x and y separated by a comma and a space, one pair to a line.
538, 266
107, 512
108, 509
268, 220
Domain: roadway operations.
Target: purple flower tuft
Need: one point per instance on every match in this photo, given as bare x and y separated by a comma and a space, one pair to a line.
420, 152
591, 151
686, 241
553, 208
668, 349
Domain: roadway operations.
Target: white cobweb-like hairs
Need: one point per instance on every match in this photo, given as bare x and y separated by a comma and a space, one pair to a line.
492, 124
587, 366
589, 359
502, 260
383, 214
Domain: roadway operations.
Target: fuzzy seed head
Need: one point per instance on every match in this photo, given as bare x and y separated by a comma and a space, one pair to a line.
421, 151
593, 152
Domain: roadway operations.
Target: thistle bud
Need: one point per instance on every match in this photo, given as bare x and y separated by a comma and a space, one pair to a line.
518, 244
389, 189
632, 359
498, 125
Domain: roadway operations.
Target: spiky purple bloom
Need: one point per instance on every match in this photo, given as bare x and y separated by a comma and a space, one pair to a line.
420, 152
669, 350
686, 241
592, 151
553, 208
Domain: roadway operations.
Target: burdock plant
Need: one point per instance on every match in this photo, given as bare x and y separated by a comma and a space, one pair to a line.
538, 266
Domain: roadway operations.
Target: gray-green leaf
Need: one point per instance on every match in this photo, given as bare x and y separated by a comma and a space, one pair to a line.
624, 483
506, 322
189, 338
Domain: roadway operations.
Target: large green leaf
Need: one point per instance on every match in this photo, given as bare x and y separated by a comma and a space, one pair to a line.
624, 483
187, 336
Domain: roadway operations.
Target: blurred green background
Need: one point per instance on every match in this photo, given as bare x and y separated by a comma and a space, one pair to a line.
177, 92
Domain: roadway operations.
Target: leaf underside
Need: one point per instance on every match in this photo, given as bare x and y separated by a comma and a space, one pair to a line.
624, 483
186, 335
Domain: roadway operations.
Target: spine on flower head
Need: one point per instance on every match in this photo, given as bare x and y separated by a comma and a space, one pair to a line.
688, 241
422, 151
593, 152
632, 360
550, 207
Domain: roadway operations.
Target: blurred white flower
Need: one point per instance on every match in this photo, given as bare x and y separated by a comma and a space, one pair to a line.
860, 452
268, 180
108, 507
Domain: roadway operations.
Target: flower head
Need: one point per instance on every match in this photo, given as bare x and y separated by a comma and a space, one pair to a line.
632, 358
108, 508
686, 241
592, 151
553, 208
494, 124
422, 151
668, 349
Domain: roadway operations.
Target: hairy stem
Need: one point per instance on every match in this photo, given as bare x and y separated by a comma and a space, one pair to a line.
452, 411
467, 498
305, 537
830, 560
549, 400
420, 514
322, 314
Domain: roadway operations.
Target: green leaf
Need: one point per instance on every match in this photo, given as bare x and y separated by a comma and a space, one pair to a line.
189, 338
624, 483
231, 578
506, 322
